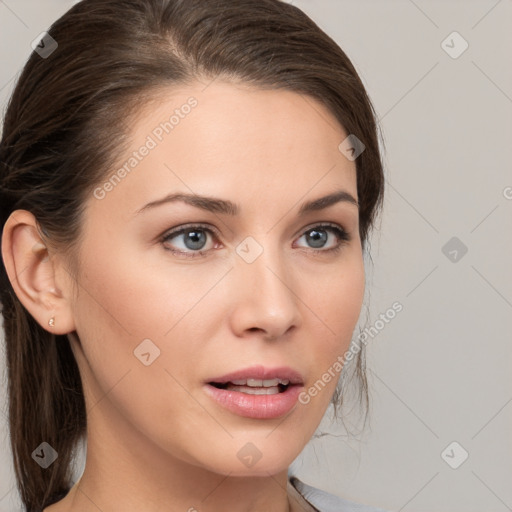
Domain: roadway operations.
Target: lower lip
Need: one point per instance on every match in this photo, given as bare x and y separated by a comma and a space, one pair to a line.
256, 406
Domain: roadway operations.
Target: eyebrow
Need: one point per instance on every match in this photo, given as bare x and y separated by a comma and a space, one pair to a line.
215, 205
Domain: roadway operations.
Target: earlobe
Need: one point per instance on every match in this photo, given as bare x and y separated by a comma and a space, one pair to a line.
32, 273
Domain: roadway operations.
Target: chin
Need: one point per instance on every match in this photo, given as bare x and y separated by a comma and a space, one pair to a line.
253, 456
259, 469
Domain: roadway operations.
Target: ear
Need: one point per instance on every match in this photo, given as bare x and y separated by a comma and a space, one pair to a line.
32, 273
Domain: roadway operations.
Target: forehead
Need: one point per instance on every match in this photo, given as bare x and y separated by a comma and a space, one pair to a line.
233, 139
220, 112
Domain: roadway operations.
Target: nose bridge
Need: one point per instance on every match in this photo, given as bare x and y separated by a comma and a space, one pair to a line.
266, 297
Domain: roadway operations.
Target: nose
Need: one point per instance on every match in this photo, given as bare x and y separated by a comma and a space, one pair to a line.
265, 301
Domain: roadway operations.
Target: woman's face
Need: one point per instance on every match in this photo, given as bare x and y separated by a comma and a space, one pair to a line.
236, 281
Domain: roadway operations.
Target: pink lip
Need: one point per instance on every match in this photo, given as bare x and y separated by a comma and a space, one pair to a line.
258, 406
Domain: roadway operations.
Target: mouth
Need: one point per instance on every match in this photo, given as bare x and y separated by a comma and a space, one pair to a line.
257, 392
254, 386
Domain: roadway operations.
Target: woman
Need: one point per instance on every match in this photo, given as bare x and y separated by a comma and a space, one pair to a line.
187, 188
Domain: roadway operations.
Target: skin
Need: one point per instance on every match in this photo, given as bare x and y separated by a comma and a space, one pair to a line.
155, 440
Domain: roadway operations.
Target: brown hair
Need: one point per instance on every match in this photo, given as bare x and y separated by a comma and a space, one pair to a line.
66, 125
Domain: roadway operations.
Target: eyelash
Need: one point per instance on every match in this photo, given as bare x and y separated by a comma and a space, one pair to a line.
340, 233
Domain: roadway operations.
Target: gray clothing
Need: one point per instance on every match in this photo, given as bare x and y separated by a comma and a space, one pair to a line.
322, 501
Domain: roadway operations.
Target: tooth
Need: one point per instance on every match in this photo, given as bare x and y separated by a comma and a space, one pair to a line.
256, 391
264, 391
258, 383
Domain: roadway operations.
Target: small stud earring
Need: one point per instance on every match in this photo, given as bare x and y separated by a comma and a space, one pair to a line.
51, 322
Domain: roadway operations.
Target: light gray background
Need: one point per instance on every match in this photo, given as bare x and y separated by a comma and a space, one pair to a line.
440, 371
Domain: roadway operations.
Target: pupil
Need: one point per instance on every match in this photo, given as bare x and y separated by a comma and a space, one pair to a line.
195, 239
317, 238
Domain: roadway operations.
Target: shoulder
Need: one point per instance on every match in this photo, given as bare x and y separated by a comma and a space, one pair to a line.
326, 502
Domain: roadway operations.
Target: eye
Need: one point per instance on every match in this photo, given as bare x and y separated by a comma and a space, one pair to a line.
189, 241
318, 237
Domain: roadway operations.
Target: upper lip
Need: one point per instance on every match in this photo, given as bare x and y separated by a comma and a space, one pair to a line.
261, 372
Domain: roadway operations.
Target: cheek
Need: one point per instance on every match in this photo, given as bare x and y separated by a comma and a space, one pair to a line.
124, 303
337, 304
140, 298
119, 306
